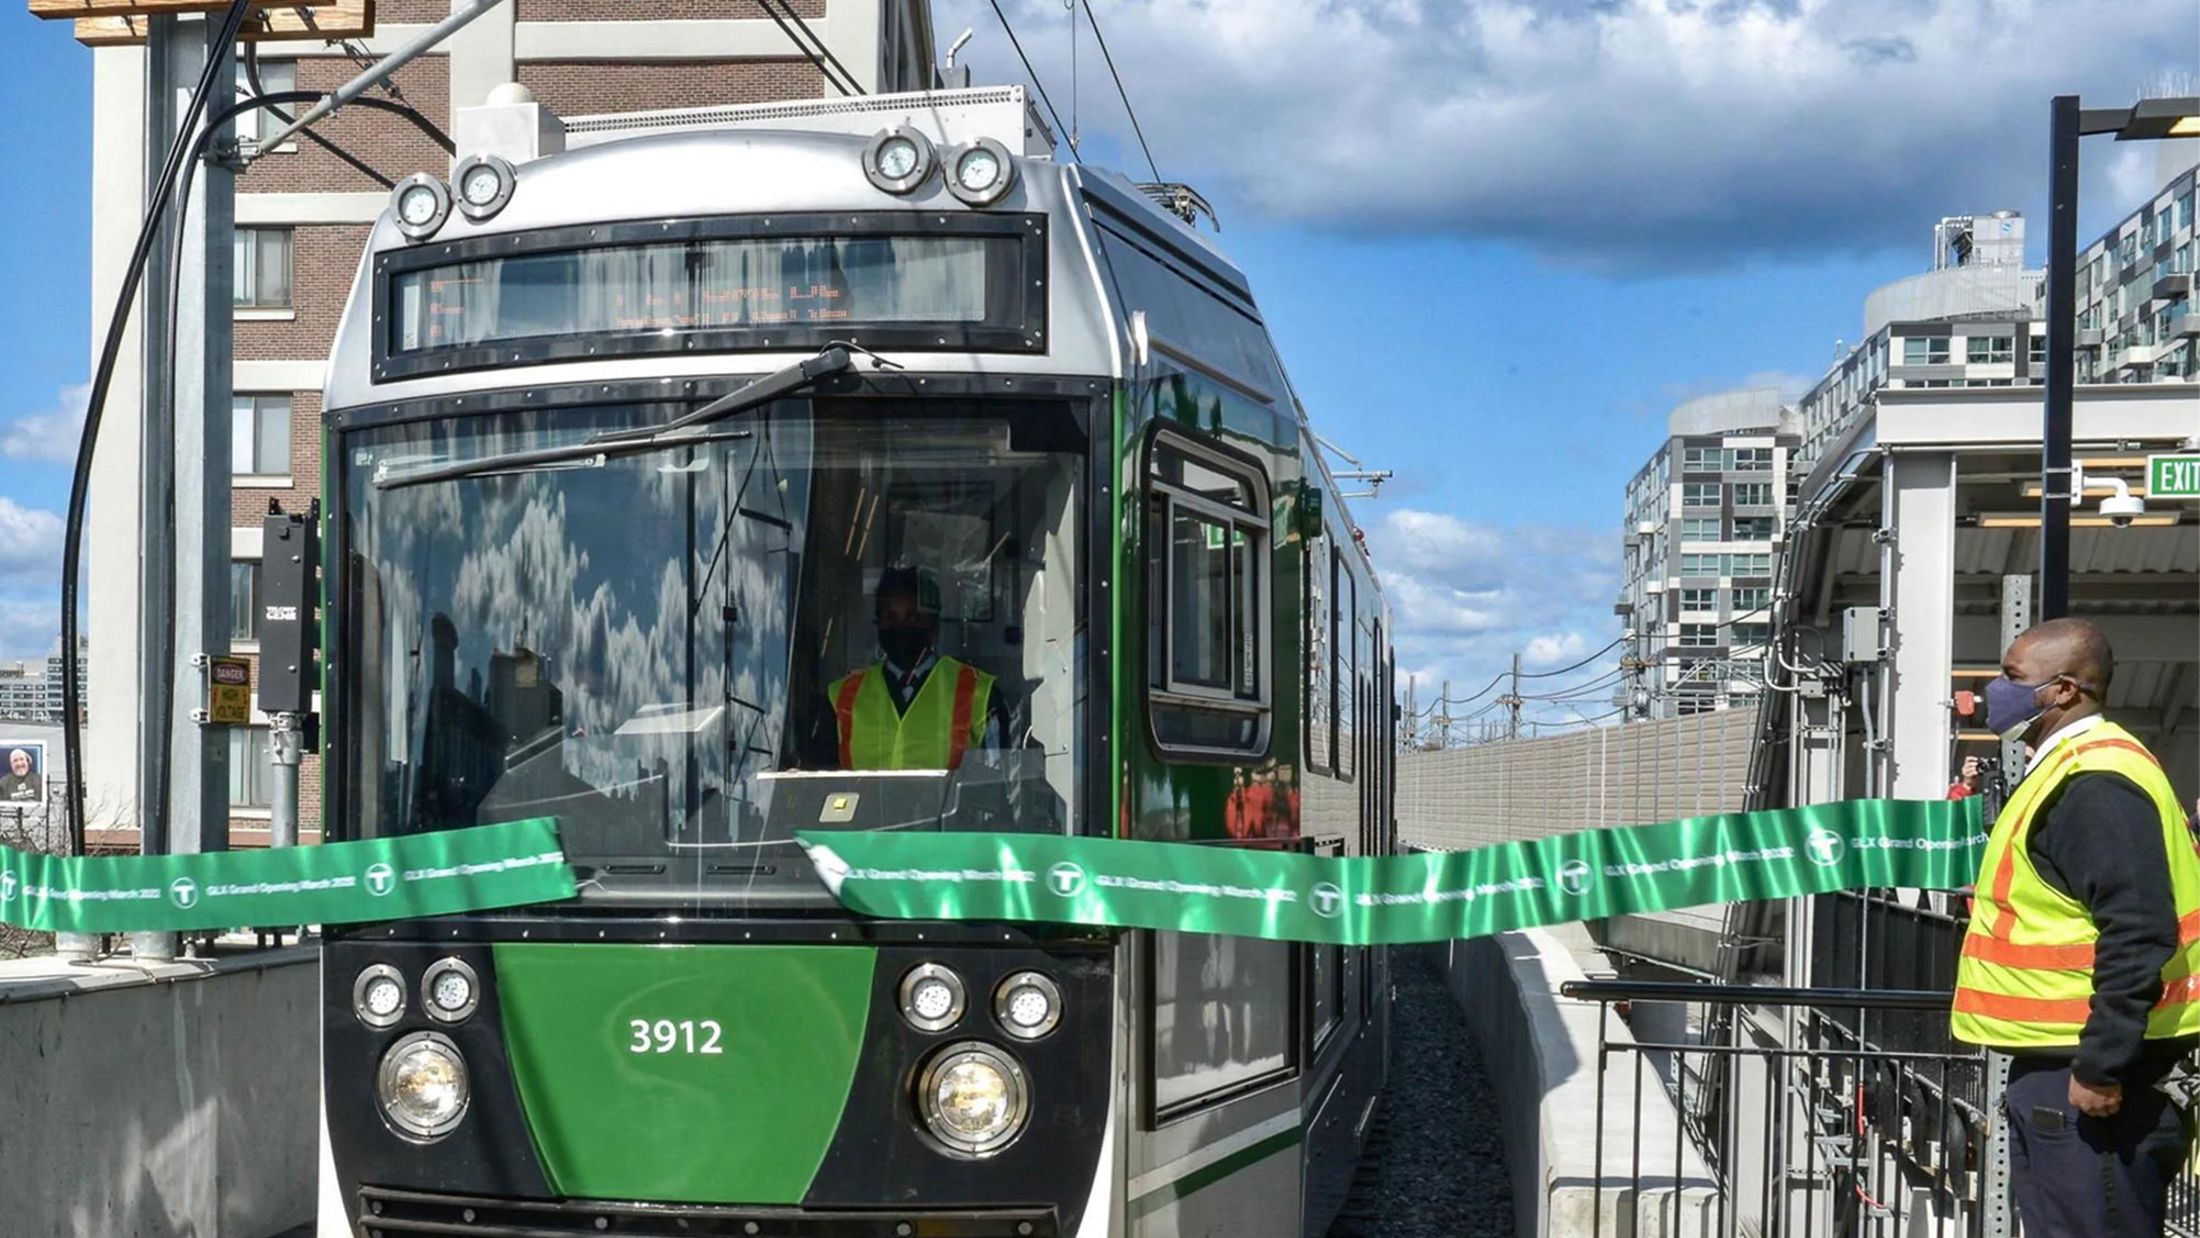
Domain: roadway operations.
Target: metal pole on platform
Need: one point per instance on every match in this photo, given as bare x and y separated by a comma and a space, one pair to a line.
2062, 326
285, 741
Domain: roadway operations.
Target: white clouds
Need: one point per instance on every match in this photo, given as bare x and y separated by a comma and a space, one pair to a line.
1465, 597
50, 435
1630, 134
30, 556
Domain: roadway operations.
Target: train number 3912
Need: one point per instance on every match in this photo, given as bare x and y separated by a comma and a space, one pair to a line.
696, 1036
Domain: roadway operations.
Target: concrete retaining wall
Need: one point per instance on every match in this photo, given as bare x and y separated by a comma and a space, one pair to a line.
146, 1102
1540, 1052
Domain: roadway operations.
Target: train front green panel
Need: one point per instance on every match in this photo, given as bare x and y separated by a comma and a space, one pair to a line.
614, 1118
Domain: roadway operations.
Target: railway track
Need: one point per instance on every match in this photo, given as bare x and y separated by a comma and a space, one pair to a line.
1435, 1165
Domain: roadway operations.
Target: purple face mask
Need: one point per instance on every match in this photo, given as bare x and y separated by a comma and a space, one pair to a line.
2011, 706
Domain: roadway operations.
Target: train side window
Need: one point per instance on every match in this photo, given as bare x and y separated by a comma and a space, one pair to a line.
1315, 716
1344, 663
1207, 589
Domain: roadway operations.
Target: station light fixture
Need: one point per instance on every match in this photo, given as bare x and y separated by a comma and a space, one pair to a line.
1027, 1005
422, 1087
450, 990
420, 203
932, 997
899, 160
2150, 120
980, 171
485, 184
2031, 520
378, 996
974, 1099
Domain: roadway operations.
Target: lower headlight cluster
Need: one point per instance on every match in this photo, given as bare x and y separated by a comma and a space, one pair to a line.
974, 1098
422, 1086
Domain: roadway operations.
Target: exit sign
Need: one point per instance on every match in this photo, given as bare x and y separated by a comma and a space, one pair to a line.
2173, 477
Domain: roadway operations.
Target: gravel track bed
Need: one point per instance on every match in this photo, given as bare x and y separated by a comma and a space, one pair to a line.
1435, 1167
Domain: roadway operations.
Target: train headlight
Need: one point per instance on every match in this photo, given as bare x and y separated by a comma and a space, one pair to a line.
422, 1086
931, 997
421, 203
974, 1098
450, 990
1027, 1005
980, 172
898, 159
485, 184
378, 996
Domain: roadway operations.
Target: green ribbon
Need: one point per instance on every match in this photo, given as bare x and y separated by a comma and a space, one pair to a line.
1433, 896
336, 883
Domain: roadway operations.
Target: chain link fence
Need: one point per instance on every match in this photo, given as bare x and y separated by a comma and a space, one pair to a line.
34, 826
1631, 774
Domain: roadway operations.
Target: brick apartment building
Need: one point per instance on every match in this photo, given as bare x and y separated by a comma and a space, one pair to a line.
303, 214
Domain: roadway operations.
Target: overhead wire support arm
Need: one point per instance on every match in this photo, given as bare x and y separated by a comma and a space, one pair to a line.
381, 70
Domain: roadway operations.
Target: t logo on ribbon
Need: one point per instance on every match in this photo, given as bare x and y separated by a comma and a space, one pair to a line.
1066, 878
1824, 848
1573, 877
1326, 899
184, 893
381, 879
7, 886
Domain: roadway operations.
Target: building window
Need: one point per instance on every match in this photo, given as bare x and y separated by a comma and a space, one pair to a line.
1990, 349
249, 774
1699, 635
1207, 557
1700, 494
1700, 529
259, 427
1753, 494
1699, 599
276, 77
1750, 599
1930, 350
244, 592
262, 259
1753, 528
1700, 459
2036, 359
1750, 460
1752, 633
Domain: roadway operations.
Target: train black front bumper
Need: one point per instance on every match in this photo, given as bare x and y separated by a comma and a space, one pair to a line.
394, 1213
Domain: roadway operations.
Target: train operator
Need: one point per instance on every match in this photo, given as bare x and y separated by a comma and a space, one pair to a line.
914, 708
2083, 948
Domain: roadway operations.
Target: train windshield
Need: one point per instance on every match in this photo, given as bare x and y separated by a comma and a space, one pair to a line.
836, 614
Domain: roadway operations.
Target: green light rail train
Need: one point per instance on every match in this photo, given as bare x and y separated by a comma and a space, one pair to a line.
626, 423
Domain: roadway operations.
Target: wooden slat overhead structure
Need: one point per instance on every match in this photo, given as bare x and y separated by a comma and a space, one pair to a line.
108, 23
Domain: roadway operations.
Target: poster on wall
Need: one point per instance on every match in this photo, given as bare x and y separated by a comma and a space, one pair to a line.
23, 777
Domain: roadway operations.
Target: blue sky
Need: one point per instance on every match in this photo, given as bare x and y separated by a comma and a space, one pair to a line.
1497, 239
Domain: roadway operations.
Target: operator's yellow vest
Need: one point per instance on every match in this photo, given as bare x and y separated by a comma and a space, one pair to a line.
2026, 977
947, 716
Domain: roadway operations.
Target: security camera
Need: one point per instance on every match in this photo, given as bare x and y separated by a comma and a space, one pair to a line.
2122, 507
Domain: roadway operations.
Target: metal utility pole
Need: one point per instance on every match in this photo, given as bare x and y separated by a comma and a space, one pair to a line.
2062, 326
1443, 717
1512, 703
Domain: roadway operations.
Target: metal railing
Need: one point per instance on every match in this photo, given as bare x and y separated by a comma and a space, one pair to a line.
1804, 1129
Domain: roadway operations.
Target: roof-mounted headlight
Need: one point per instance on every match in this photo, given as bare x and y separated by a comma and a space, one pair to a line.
484, 184
980, 171
899, 159
420, 203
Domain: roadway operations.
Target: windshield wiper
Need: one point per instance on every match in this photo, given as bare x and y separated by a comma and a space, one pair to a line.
680, 431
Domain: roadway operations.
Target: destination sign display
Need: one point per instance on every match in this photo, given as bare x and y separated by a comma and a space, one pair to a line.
695, 285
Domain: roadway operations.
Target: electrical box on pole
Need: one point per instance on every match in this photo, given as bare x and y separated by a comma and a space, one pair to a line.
290, 611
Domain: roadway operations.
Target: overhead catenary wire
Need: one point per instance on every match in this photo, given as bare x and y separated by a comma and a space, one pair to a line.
1032, 73
820, 55
1575, 666
1121, 93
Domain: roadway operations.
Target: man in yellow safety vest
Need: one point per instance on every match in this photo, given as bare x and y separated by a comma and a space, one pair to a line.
913, 709
2083, 956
